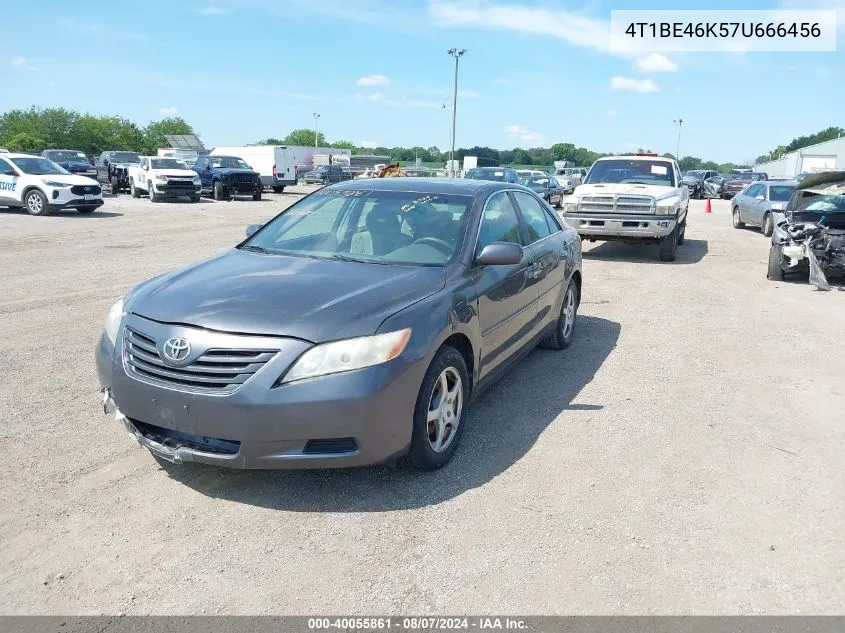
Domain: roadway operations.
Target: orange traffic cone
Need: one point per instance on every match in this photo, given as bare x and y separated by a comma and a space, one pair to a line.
707, 208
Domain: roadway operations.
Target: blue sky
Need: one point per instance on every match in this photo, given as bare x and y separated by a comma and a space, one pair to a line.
536, 73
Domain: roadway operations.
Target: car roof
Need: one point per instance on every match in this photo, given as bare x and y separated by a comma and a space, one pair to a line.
20, 155
461, 186
634, 157
823, 178
787, 183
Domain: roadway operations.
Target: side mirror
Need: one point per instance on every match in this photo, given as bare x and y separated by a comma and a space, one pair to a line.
499, 254
760, 197
252, 229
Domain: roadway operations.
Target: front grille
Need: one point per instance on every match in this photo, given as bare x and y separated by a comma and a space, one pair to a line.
81, 190
244, 178
181, 183
621, 204
216, 370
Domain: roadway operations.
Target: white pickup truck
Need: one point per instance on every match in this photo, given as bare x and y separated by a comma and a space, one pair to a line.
162, 178
631, 198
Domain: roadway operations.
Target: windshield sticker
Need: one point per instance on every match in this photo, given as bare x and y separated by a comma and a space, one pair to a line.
659, 170
499, 173
343, 193
405, 208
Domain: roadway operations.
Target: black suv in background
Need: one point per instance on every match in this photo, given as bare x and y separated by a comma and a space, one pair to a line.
113, 169
326, 175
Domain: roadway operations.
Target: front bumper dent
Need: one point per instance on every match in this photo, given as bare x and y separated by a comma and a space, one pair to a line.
608, 227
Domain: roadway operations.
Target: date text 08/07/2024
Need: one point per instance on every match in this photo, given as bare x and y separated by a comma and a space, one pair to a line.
416, 623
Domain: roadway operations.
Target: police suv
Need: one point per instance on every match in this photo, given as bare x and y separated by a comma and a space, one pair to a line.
40, 186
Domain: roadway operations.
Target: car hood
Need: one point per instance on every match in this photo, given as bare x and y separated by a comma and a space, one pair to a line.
234, 170
70, 179
176, 173
311, 299
656, 191
77, 166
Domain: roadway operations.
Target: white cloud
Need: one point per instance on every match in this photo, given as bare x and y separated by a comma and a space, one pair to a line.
19, 62
633, 85
212, 11
468, 94
373, 80
522, 135
167, 111
574, 28
656, 63
368, 144
611, 113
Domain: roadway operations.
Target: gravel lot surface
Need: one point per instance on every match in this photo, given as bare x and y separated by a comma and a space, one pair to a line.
684, 455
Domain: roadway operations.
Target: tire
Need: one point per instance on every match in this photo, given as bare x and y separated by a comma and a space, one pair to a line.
775, 272
447, 425
218, 190
195, 197
682, 236
768, 225
133, 190
562, 335
256, 196
278, 189
86, 210
559, 204
669, 246
738, 224
115, 185
153, 196
35, 202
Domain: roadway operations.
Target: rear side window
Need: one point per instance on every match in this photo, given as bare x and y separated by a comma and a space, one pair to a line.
534, 216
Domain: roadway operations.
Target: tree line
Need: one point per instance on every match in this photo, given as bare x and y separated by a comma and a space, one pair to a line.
36, 129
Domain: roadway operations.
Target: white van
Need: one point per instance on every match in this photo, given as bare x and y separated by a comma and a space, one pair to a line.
275, 163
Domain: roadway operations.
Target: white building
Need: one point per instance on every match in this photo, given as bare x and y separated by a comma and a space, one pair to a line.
827, 155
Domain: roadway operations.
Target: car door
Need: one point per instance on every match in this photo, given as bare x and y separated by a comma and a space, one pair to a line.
103, 167
507, 295
747, 203
546, 249
202, 168
9, 193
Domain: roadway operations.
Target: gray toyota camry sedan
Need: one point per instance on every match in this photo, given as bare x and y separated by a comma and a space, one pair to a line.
353, 328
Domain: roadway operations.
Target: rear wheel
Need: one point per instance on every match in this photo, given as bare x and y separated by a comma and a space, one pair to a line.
737, 222
768, 225
561, 336
775, 271
438, 414
35, 203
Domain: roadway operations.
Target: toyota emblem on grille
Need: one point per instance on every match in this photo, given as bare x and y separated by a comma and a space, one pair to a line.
176, 349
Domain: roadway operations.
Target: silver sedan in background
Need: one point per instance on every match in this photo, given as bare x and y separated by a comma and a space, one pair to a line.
762, 204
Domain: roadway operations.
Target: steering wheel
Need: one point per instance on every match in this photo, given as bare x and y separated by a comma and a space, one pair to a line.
442, 245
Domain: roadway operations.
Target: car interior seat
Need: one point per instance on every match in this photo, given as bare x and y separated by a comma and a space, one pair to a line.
384, 232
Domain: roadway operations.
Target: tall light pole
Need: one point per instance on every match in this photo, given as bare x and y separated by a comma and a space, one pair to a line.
457, 54
316, 119
679, 123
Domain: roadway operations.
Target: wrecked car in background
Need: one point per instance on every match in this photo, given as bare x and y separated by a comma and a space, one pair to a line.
810, 240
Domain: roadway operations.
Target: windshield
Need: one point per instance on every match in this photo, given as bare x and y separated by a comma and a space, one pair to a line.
832, 203
167, 163
379, 227
67, 157
228, 162
486, 174
126, 157
643, 172
37, 166
536, 183
696, 173
780, 193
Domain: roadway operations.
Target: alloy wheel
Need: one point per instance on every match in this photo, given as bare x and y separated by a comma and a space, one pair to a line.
444, 409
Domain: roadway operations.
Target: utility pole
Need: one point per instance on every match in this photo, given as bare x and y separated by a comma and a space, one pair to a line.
679, 123
457, 54
316, 119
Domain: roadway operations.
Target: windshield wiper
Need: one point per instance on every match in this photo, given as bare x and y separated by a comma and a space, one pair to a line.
257, 249
348, 258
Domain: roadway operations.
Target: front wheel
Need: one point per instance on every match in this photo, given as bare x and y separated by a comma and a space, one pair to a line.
195, 197
438, 414
152, 193
218, 190
737, 221
35, 203
256, 196
669, 246
682, 236
775, 271
133, 190
115, 185
278, 189
561, 336
768, 225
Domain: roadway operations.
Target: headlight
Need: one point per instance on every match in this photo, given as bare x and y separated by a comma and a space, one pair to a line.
570, 206
161, 178
57, 185
113, 321
353, 353
667, 206
197, 180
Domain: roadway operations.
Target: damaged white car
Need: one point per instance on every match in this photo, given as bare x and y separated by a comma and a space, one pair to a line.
810, 240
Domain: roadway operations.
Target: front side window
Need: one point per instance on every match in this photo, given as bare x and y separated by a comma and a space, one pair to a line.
499, 222
532, 213
379, 227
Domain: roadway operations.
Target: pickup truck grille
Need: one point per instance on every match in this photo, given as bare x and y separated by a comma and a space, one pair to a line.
243, 178
215, 371
180, 183
614, 204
